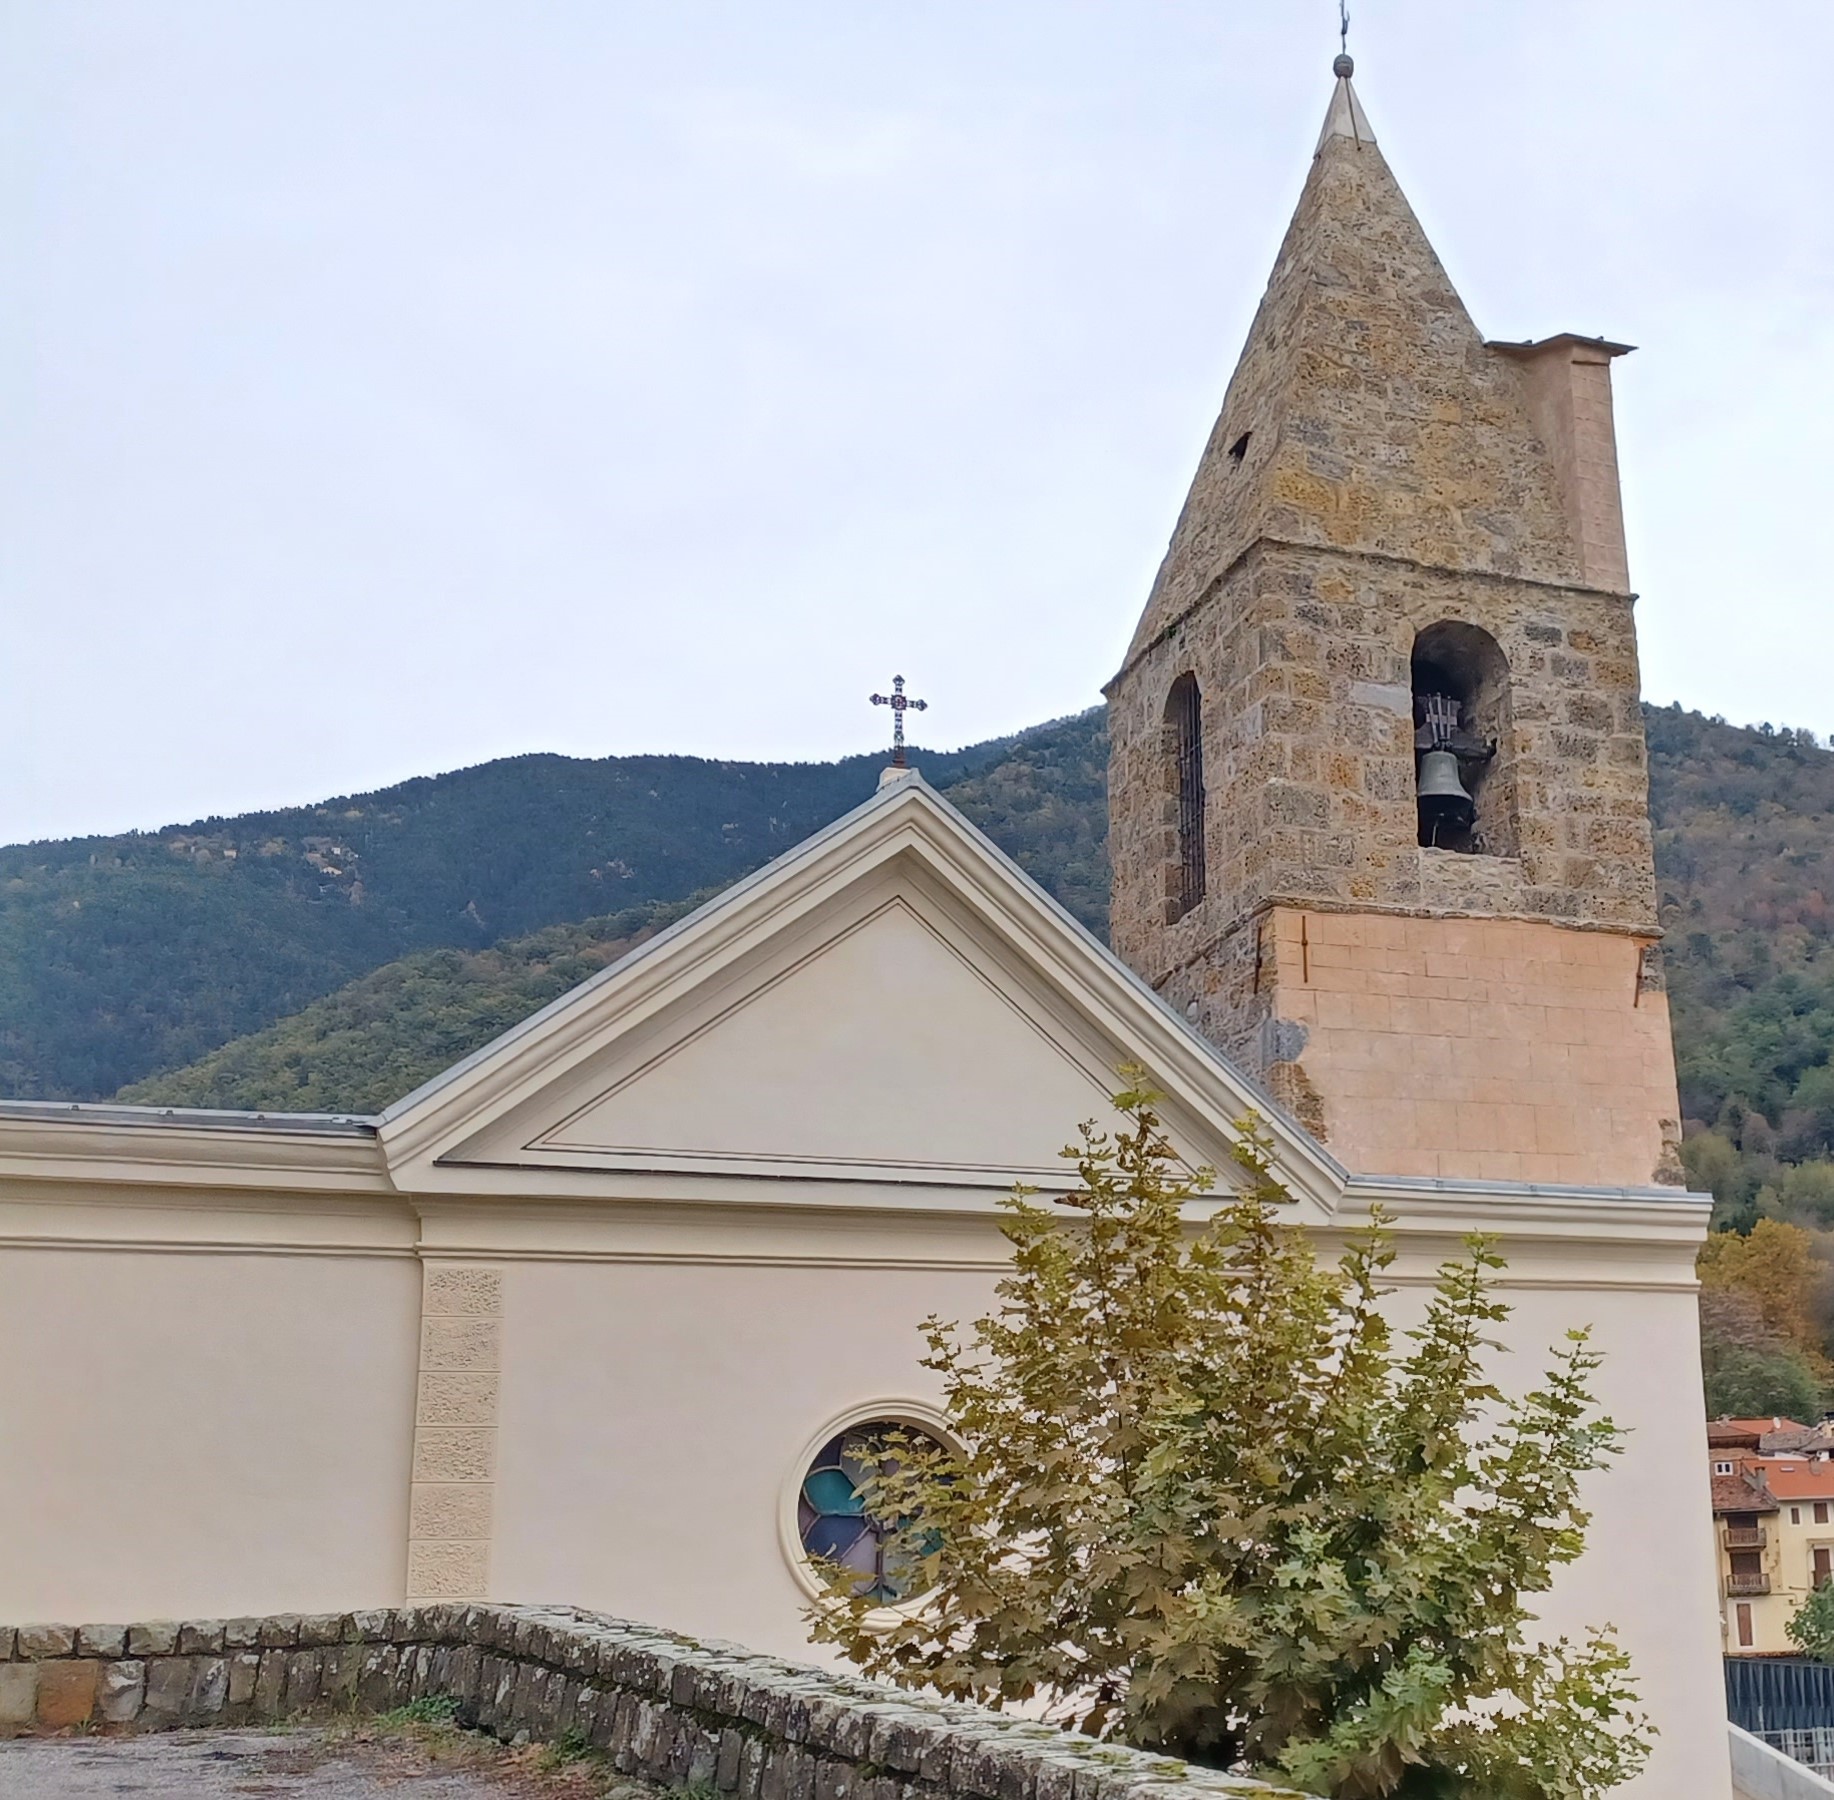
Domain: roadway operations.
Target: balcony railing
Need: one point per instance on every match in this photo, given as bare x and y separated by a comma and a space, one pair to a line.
1747, 1584
1744, 1537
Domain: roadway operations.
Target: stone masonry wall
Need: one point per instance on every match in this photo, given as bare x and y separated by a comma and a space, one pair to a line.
1497, 1049
1302, 658
1375, 416
662, 1707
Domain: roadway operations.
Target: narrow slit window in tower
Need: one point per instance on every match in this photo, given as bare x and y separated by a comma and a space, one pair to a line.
1185, 730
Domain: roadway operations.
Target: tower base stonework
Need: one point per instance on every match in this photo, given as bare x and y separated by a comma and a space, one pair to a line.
1490, 1048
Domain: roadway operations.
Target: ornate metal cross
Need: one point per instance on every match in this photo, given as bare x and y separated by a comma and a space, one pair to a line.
900, 705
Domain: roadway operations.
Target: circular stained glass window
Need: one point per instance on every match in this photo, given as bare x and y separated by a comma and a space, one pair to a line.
831, 1515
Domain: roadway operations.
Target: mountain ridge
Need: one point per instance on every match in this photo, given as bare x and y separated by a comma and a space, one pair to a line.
126, 954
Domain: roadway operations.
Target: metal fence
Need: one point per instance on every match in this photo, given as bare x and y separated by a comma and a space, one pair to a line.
1813, 1748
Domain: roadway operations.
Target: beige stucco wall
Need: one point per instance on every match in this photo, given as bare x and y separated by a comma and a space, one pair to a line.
653, 1418
1649, 1564
220, 1433
485, 1350
201, 1434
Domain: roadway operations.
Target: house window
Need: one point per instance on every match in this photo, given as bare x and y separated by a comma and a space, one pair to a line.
1184, 737
1722, 1468
1821, 1512
1464, 765
832, 1520
1744, 1625
1824, 1564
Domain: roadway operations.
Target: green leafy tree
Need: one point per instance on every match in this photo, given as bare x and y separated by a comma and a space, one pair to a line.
1811, 1627
1202, 1499
1750, 1384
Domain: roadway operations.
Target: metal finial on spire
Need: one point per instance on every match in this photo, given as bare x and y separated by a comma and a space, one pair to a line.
1345, 118
900, 705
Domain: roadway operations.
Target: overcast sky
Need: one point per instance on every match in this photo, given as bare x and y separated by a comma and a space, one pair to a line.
388, 386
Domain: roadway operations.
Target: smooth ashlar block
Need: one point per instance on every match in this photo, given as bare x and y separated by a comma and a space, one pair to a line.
67, 1692
18, 1694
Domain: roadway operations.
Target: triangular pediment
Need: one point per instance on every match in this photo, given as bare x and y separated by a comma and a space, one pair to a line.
892, 1006
884, 1046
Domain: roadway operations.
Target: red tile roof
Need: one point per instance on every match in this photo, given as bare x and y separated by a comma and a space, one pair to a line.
1737, 1494
1790, 1479
1724, 1435
1754, 1427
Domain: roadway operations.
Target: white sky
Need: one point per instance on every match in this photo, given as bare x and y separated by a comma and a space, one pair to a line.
386, 385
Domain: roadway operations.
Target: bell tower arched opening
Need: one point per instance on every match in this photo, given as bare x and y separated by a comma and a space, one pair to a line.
1464, 767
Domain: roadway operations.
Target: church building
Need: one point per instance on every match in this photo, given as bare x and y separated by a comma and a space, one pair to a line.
590, 1317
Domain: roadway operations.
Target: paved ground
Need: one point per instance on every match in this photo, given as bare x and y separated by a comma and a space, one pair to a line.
306, 1764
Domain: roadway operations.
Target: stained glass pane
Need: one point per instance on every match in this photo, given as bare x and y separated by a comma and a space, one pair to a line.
837, 1538
831, 1491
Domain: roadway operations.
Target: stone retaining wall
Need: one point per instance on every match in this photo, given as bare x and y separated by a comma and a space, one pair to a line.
663, 1707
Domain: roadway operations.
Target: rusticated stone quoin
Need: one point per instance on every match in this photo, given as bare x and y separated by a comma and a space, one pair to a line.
664, 1708
455, 1432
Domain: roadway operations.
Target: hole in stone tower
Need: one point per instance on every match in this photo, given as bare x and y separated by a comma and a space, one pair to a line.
1239, 448
1464, 775
1184, 743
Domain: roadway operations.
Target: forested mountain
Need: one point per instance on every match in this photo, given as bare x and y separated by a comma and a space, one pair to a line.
1043, 795
382, 1035
123, 956
1745, 865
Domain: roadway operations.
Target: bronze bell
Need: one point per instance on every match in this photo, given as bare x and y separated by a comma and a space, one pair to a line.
1444, 804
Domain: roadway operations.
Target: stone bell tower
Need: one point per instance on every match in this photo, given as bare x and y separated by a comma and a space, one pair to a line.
1379, 807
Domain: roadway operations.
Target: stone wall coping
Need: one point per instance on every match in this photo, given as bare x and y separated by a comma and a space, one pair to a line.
661, 1705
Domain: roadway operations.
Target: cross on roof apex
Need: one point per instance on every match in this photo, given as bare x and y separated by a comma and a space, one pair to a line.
900, 705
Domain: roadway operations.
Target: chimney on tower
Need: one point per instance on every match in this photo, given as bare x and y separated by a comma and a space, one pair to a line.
1567, 382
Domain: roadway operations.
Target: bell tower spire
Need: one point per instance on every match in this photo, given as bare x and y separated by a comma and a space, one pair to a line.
1377, 787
